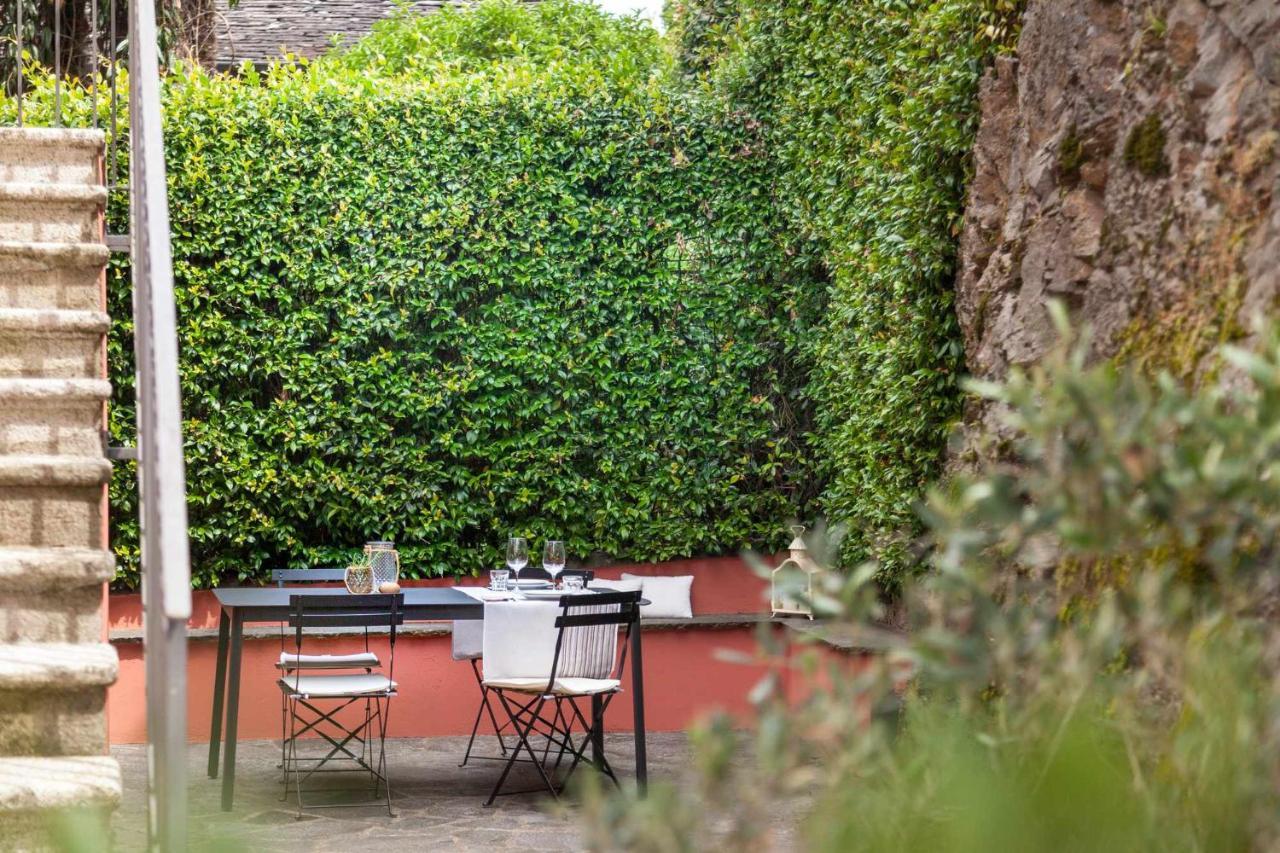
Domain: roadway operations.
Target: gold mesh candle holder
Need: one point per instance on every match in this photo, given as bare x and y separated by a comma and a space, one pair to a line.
384, 560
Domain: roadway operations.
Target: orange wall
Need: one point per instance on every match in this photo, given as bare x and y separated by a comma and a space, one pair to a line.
684, 677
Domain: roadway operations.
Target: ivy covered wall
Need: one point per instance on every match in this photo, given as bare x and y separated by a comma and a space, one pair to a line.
868, 110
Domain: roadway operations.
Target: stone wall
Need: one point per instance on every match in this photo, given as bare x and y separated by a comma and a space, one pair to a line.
1127, 164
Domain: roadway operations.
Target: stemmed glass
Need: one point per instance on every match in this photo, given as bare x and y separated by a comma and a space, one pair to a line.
517, 556
553, 559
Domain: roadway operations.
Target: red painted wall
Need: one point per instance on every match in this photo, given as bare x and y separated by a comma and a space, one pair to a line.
684, 677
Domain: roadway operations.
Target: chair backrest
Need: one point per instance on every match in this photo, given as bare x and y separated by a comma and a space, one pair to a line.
342, 610
282, 576
587, 634
542, 574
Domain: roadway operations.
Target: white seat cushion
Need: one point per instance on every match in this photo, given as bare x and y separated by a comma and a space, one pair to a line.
289, 660
563, 686
668, 597
338, 685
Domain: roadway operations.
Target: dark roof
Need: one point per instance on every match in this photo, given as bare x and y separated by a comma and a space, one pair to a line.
261, 30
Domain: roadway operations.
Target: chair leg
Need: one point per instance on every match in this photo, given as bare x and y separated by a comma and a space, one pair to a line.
485, 706
383, 773
293, 753
523, 734
284, 723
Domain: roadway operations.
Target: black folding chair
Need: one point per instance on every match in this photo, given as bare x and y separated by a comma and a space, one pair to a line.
539, 573
465, 646
288, 661
588, 663
304, 691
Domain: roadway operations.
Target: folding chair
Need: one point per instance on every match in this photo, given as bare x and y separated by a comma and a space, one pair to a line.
586, 664
289, 661
539, 573
467, 644
306, 691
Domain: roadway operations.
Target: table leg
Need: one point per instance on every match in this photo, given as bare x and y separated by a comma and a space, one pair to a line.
637, 702
233, 710
219, 692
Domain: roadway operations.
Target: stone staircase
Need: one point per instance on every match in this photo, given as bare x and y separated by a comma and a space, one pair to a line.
55, 666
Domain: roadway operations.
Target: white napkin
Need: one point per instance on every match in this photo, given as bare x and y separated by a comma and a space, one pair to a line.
482, 593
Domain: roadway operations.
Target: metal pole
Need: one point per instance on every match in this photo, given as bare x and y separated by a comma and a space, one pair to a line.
93, 59
57, 63
166, 569
18, 55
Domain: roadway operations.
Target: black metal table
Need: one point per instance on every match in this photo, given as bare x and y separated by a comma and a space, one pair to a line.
243, 605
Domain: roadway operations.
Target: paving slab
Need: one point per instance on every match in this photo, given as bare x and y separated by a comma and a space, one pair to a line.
438, 804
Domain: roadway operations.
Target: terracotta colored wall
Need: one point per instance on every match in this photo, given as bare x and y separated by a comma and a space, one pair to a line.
684, 677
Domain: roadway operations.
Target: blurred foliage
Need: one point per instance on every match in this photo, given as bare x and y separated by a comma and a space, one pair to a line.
1018, 712
869, 113
448, 307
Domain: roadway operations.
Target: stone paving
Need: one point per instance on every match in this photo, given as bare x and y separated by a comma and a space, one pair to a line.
438, 804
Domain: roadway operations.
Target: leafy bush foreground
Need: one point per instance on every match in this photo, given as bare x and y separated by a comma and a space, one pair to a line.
1023, 710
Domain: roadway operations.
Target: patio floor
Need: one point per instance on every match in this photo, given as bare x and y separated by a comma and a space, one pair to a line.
438, 804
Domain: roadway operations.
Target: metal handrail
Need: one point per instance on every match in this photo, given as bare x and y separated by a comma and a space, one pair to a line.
166, 566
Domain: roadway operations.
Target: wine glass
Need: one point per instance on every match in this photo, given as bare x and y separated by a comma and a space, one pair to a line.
553, 558
517, 556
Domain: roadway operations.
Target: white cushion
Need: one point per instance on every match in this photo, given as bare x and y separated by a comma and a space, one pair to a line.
289, 660
468, 639
669, 597
337, 685
563, 686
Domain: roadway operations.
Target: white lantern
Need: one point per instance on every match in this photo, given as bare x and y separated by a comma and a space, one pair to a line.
784, 601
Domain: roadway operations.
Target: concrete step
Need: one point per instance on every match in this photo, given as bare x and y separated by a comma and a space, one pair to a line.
57, 666
52, 501
52, 595
55, 568
50, 155
51, 213
51, 343
54, 471
52, 697
52, 275
37, 795
52, 417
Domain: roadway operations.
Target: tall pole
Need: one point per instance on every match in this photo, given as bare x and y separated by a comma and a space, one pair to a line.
166, 569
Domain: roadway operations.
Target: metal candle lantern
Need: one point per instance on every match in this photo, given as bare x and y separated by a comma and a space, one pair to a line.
784, 601
384, 559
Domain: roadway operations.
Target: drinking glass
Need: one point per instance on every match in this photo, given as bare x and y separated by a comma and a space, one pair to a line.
573, 583
553, 558
498, 580
517, 556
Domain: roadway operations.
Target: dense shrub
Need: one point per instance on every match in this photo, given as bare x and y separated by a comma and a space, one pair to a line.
449, 313
444, 308
869, 112
508, 36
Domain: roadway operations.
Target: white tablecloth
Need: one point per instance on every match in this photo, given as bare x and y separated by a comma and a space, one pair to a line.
520, 635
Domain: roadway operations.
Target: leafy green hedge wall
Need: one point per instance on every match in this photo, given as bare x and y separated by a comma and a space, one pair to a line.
446, 314
869, 111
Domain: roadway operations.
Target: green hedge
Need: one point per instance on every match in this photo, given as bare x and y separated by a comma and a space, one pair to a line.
869, 112
449, 313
